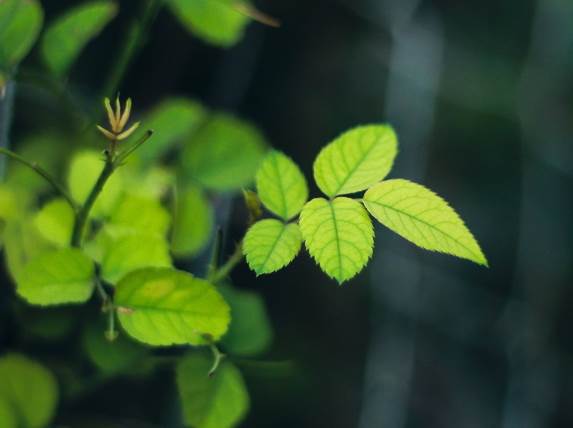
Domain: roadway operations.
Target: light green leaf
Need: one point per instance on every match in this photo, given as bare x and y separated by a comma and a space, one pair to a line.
66, 37
281, 185
7, 415
250, 332
224, 154
57, 277
422, 217
356, 160
220, 401
167, 307
140, 214
29, 389
85, 169
192, 223
20, 24
215, 21
55, 222
338, 235
270, 245
128, 252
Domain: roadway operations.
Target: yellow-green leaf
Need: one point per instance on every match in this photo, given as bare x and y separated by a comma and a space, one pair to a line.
7, 415
338, 235
169, 307
270, 245
66, 37
29, 389
220, 401
55, 222
281, 185
141, 214
422, 217
20, 24
356, 160
57, 277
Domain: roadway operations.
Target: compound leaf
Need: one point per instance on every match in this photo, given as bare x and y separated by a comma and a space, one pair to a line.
356, 160
161, 306
20, 24
281, 186
270, 245
220, 401
55, 222
422, 217
338, 235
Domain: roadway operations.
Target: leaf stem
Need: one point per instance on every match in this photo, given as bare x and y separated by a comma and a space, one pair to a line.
223, 272
218, 356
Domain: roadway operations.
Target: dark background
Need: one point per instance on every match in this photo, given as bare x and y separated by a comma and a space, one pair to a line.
480, 93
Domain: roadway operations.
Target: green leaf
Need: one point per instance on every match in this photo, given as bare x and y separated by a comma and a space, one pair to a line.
220, 401
192, 223
167, 307
55, 222
270, 245
250, 332
20, 24
140, 214
214, 21
126, 253
338, 235
224, 154
66, 37
7, 415
422, 217
29, 389
356, 160
47, 323
57, 277
281, 185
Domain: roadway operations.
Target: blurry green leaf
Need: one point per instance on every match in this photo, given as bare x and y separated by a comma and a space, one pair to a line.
7, 415
48, 323
224, 154
192, 222
250, 332
356, 160
167, 307
215, 21
9, 207
130, 252
142, 215
220, 401
29, 389
270, 245
85, 169
149, 182
281, 185
338, 235
422, 217
57, 277
66, 37
20, 23
55, 222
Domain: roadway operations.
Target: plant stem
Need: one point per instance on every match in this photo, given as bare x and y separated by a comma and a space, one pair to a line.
43, 173
223, 272
7, 91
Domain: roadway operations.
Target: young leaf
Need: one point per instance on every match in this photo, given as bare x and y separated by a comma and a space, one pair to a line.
220, 401
356, 160
55, 222
338, 235
422, 217
270, 245
20, 24
224, 154
66, 37
57, 277
167, 307
7, 415
215, 21
141, 215
192, 223
29, 389
281, 185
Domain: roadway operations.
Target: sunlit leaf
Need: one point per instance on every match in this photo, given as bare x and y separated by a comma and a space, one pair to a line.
29, 389
140, 214
167, 307
422, 217
338, 235
66, 37
55, 222
270, 245
57, 277
220, 401
20, 24
281, 185
356, 160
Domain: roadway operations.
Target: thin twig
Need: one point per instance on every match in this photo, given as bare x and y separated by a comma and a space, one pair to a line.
223, 272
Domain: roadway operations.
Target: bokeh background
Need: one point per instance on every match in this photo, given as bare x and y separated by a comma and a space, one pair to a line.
480, 93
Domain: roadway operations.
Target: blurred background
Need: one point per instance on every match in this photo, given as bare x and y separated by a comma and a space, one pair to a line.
480, 94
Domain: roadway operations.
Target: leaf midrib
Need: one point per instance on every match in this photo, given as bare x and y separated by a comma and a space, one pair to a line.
356, 166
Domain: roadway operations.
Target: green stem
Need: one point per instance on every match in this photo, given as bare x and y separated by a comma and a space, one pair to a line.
223, 272
42, 173
217, 358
